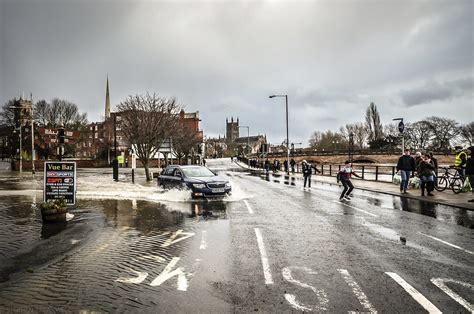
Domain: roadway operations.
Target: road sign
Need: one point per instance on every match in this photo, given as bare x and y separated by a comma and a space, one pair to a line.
60, 181
401, 126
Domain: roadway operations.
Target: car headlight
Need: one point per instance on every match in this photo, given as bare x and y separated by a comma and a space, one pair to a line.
227, 185
199, 185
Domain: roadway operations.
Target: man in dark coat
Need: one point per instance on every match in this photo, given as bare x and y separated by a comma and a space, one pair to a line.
470, 170
406, 165
292, 164
306, 168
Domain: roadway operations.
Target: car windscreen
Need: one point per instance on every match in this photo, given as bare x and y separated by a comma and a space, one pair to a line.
198, 172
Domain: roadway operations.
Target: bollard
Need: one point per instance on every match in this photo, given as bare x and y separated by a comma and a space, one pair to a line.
376, 173
363, 172
133, 175
115, 169
330, 170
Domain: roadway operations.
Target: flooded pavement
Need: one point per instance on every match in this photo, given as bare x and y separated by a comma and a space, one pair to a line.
268, 247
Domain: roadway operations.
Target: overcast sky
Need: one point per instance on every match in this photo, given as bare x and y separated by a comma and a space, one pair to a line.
412, 58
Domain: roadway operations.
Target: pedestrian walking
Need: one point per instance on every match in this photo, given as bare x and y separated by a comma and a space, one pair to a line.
418, 159
285, 165
470, 170
425, 172
307, 170
434, 162
204, 162
344, 176
267, 165
406, 166
292, 164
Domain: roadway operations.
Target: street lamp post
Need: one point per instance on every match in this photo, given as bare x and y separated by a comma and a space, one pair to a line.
32, 140
287, 133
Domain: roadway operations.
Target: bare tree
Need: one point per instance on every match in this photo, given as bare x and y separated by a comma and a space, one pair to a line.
372, 121
418, 135
7, 116
146, 121
59, 112
359, 132
184, 141
328, 140
41, 112
315, 139
466, 132
444, 130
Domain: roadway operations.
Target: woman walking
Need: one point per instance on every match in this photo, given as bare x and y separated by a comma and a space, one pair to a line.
425, 172
344, 176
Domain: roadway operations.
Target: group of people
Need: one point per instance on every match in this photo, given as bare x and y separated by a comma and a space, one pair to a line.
425, 167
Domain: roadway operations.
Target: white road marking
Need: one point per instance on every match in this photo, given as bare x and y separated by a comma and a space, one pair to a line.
266, 266
447, 243
172, 239
203, 240
248, 207
441, 283
141, 276
291, 298
167, 274
417, 296
156, 258
361, 296
320, 293
361, 210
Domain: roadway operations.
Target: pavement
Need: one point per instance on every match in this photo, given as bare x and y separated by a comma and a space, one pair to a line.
446, 197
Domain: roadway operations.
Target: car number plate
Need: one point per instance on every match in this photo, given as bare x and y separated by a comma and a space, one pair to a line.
218, 190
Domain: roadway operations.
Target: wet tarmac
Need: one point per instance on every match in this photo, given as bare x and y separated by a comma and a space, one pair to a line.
137, 248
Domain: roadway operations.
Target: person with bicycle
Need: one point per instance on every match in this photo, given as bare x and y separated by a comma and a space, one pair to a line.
425, 172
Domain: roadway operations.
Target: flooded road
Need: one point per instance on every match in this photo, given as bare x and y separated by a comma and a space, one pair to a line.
270, 247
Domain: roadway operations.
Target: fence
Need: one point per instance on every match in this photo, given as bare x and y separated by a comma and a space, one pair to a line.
382, 173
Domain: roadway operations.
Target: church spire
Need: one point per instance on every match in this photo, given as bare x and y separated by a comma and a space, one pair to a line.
107, 100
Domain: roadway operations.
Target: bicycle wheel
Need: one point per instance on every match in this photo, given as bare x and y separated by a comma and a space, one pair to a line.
442, 184
456, 185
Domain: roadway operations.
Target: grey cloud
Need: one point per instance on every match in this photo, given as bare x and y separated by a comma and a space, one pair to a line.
438, 91
224, 58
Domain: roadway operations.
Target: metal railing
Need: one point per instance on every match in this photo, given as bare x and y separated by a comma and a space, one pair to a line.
382, 173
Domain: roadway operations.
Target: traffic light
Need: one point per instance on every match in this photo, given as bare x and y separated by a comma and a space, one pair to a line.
61, 135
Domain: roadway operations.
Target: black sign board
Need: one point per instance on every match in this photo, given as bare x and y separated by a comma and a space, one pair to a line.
401, 126
60, 181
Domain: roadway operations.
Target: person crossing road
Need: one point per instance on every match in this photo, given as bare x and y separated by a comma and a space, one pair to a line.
344, 176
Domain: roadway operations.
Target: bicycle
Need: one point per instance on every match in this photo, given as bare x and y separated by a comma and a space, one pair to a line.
454, 181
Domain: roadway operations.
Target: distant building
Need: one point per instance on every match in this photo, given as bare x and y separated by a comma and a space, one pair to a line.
232, 130
253, 141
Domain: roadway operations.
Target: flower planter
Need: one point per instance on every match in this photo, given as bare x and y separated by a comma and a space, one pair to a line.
53, 211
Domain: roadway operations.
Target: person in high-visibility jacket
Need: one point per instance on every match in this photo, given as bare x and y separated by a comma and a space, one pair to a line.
460, 162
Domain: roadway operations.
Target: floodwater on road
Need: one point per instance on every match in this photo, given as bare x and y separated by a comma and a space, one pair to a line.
136, 229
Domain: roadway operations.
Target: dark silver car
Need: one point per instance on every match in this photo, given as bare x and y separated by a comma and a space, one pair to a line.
202, 182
